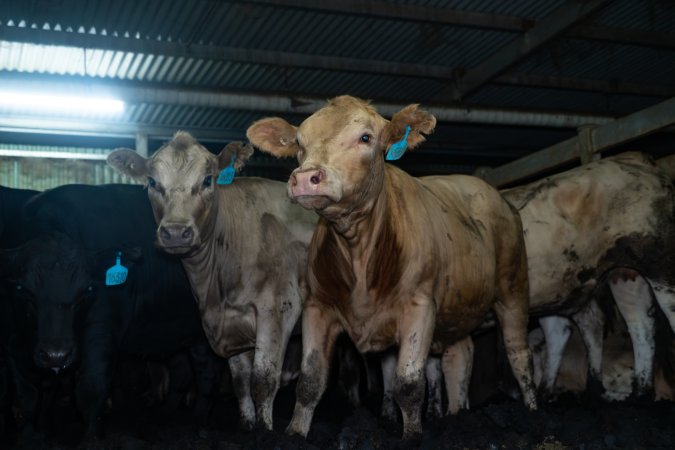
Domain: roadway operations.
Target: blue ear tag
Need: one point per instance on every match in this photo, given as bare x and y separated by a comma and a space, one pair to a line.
227, 174
398, 148
117, 274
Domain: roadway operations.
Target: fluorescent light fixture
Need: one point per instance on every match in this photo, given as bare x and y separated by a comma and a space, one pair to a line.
63, 104
55, 154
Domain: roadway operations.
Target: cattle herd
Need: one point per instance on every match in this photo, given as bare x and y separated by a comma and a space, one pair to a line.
225, 272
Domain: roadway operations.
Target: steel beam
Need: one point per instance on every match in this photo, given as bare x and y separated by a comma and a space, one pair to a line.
600, 138
388, 10
15, 124
136, 93
230, 54
287, 59
580, 84
543, 32
471, 19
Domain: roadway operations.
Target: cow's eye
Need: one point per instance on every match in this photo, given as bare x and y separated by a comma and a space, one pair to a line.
151, 182
207, 181
365, 138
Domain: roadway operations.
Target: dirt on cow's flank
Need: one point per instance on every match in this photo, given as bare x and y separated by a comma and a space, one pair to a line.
569, 422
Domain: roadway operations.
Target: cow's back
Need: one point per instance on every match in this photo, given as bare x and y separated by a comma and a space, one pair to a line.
577, 222
153, 312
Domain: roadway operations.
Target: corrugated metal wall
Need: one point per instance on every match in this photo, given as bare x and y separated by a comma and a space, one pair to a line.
46, 173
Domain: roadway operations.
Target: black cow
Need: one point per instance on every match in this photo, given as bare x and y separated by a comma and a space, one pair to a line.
64, 313
13, 231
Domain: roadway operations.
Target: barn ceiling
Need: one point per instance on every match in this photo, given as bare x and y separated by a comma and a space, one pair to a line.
504, 77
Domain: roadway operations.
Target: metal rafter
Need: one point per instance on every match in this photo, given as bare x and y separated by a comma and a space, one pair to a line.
287, 59
470, 19
543, 32
138, 93
590, 141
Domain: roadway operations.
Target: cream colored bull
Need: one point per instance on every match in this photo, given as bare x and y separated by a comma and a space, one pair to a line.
397, 261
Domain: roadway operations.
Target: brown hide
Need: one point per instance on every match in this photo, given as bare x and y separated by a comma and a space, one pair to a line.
396, 260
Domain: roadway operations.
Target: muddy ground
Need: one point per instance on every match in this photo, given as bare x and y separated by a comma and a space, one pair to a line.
137, 421
498, 423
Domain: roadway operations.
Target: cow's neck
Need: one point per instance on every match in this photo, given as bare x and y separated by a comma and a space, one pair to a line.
217, 246
361, 220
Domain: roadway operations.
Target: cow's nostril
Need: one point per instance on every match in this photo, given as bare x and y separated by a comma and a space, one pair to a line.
315, 179
165, 234
188, 233
294, 180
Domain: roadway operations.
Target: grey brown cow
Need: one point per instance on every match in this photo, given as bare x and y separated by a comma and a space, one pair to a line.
395, 260
244, 248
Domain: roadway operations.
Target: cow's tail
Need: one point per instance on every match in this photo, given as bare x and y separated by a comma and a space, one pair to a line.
667, 164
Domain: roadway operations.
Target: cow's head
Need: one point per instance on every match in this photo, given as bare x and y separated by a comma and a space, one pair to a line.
181, 180
51, 288
340, 148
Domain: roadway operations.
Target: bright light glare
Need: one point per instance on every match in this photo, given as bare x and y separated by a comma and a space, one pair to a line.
60, 103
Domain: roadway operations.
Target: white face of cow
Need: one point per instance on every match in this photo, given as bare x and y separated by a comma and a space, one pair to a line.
340, 149
336, 161
181, 181
181, 184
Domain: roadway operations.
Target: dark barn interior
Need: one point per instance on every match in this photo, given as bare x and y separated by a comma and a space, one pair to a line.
520, 90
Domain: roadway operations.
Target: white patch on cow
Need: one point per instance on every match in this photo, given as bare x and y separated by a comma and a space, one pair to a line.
633, 298
457, 362
665, 296
557, 331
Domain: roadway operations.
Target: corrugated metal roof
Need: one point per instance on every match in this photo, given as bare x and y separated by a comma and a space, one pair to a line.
314, 30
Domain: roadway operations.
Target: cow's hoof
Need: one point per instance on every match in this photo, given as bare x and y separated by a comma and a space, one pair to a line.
246, 424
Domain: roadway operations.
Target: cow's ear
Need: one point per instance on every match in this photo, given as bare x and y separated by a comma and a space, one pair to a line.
274, 135
130, 163
420, 122
235, 153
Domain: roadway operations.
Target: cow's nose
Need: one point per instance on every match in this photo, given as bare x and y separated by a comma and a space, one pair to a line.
176, 235
48, 357
308, 177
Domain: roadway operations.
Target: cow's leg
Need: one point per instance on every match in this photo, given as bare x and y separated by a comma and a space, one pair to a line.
591, 323
634, 300
388, 362
557, 331
434, 375
415, 333
241, 368
319, 331
207, 369
271, 343
665, 296
457, 362
513, 320
511, 308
